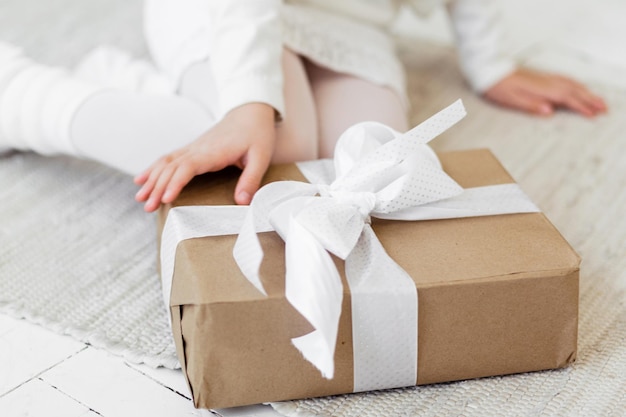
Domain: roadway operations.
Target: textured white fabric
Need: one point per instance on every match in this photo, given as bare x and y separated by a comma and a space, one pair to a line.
343, 44
37, 104
109, 66
180, 33
479, 39
11, 62
243, 39
115, 110
129, 131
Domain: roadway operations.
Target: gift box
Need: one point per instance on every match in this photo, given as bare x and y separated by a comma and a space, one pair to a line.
495, 295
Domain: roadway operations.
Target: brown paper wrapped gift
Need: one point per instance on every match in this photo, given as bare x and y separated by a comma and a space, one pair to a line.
497, 295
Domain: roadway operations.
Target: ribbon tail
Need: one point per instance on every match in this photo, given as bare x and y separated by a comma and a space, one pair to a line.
313, 286
438, 123
384, 317
248, 252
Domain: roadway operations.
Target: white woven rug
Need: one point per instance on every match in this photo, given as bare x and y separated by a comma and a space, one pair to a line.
77, 255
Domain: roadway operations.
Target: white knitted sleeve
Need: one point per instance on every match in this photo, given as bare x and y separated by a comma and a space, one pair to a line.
479, 41
246, 53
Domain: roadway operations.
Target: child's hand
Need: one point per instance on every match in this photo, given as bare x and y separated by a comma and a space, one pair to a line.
244, 137
541, 93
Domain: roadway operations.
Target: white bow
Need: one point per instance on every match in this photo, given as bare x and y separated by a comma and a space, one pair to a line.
380, 173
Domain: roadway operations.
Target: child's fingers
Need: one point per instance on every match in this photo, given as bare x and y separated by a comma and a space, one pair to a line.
184, 173
148, 177
520, 98
149, 183
530, 103
156, 195
572, 95
572, 102
599, 103
593, 102
579, 100
250, 179
144, 192
140, 179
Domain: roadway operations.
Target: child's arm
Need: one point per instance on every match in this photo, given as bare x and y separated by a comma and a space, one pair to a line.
494, 74
246, 55
245, 137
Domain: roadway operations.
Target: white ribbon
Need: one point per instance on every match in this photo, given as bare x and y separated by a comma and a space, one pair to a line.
377, 172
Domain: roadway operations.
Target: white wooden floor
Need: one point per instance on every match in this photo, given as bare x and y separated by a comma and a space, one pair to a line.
45, 374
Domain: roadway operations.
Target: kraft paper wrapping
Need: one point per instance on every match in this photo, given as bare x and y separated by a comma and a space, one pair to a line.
497, 295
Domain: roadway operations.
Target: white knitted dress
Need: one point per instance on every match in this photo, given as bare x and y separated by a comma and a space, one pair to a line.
349, 36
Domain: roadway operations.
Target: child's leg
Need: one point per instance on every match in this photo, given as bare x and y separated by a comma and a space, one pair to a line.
109, 66
343, 100
49, 111
37, 104
297, 133
124, 129
129, 131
